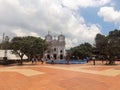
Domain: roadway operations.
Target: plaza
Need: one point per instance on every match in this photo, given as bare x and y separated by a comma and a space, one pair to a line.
60, 77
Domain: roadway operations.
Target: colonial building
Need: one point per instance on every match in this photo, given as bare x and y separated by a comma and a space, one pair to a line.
56, 46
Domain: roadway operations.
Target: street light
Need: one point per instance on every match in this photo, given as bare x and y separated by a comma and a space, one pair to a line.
6, 41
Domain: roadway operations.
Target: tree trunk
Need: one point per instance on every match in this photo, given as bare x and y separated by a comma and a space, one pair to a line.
111, 61
21, 61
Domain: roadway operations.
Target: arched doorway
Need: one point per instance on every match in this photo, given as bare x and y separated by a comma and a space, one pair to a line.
55, 56
61, 56
48, 56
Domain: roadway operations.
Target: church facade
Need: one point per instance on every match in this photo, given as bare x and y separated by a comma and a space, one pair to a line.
56, 46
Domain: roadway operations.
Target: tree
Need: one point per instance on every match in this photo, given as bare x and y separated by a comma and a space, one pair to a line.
109, 45
113, 46
28, 46
82, 51
100, 44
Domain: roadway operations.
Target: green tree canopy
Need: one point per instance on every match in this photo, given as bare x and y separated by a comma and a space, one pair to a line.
28, 46
114, 43
101, 43
109, 45
82, 50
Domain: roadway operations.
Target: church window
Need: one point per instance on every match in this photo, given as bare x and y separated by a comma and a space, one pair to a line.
61, 51
54, 49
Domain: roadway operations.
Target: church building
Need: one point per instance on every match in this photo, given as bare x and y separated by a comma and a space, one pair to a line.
56, 46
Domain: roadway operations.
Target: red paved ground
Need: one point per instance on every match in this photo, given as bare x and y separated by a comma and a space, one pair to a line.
59, 79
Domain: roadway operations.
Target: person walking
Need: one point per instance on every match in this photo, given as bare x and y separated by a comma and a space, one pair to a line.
33, 59
52, 59
68, 58
36, 59
93, 58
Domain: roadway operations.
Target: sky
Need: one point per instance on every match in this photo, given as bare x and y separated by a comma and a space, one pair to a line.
78, 20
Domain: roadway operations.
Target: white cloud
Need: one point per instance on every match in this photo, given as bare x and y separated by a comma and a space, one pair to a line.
19, 32
34, 34
37, 17
109, 14
74, 4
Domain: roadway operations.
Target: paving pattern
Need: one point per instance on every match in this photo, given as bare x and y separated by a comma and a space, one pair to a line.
26, 72
108, 72
60, 77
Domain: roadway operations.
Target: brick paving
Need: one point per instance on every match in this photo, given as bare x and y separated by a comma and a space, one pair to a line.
60, 77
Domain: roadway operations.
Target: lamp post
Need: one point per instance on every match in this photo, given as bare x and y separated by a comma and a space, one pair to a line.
6, 41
